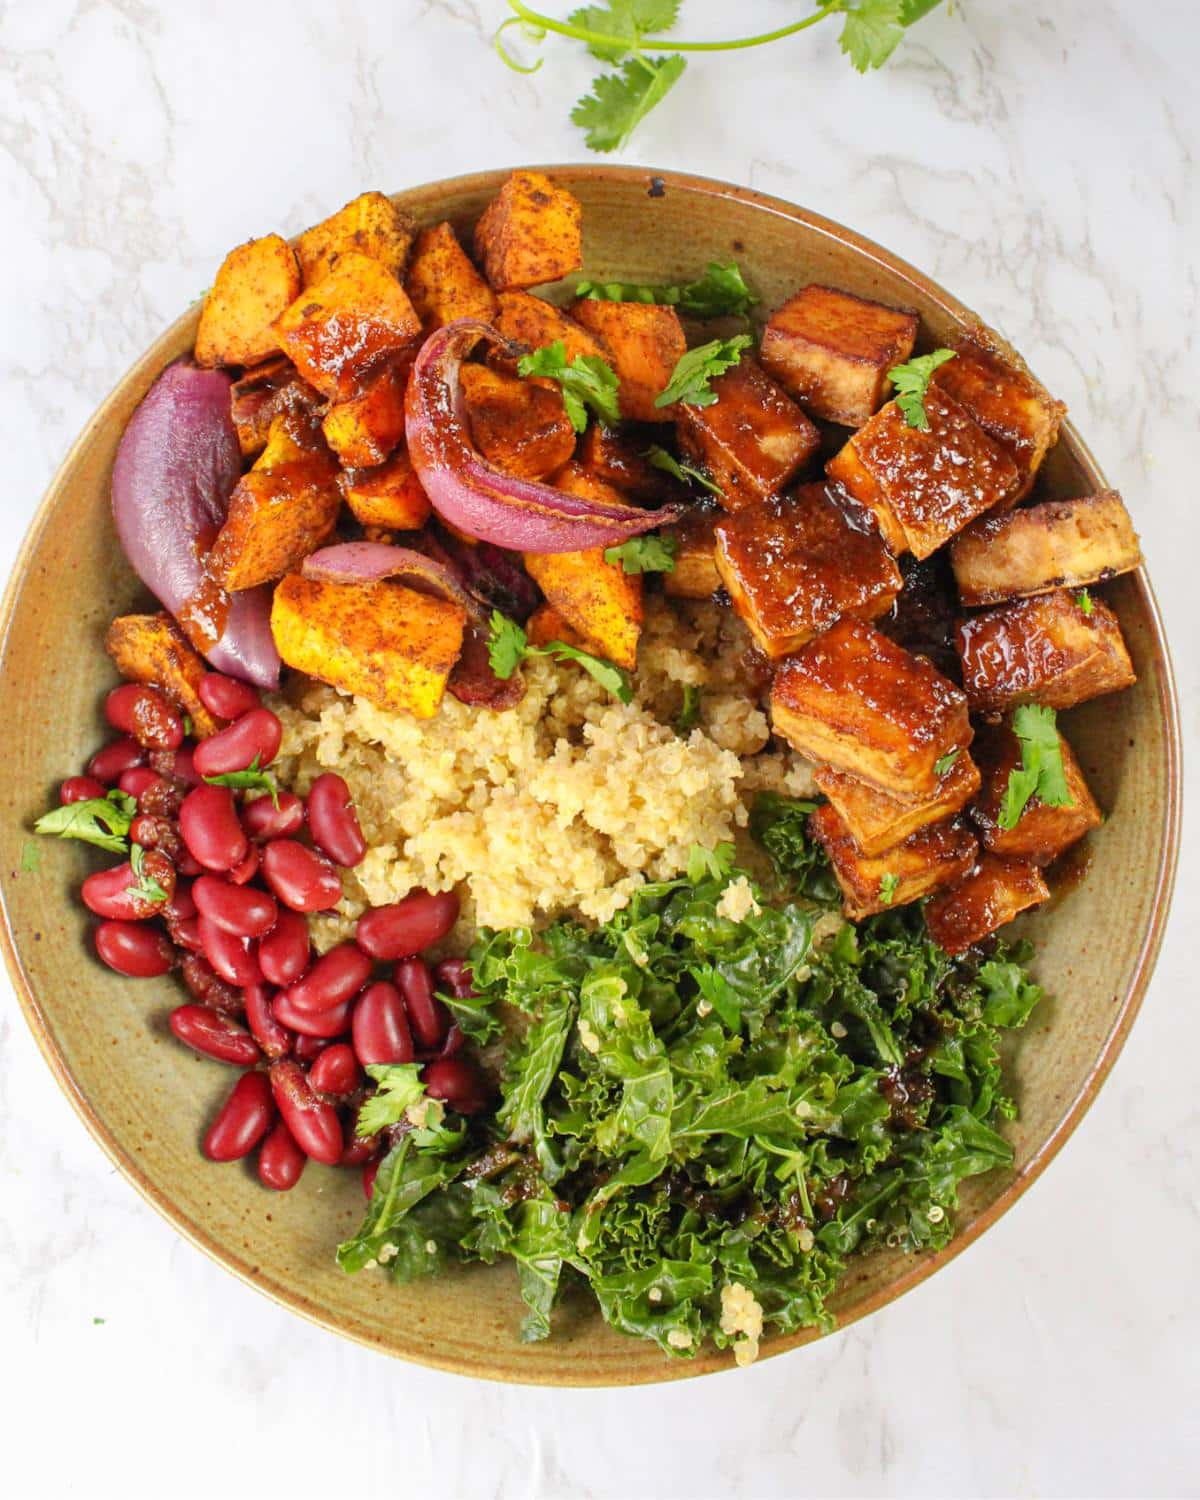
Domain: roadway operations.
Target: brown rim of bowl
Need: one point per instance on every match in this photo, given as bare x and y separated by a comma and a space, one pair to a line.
922, 1266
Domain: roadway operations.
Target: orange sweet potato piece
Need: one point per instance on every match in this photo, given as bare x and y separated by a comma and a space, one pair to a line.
152, 648
598, 599
389, 497
619, 458
530, 233
263, 393
531, 321
545, 624
365, 429
254, 284
442, 284
521, 426
370, 224
645, 342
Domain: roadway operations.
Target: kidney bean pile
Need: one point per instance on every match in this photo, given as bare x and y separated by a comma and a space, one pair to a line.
226, 878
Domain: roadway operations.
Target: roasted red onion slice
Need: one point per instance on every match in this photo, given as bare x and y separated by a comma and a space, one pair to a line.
475, 496
368, 562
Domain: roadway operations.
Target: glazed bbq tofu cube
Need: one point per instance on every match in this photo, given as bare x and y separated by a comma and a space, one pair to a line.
695, 574
1061, 544
924, 486
388, 497
1046, 649
935, 856
370, 224
521, 426
252, 287
856, 701
832, 351
530, 233
645, 343
753, 439
1042, 832
995, 892
1013, 408
535, 323
442, 284
878, 821
796, 563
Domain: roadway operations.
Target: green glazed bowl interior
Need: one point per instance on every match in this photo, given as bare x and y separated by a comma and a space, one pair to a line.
146, 1099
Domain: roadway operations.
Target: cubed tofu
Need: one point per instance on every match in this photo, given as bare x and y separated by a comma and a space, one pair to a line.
878, 821
535, 323
254, 284
530, 233
1042, 650
521, 426
389, 497
442, 284
152, 648
935, 856
619, 458
752, 441
795, 564
645, 343
365, 429
995, 892
1042, 832
1015, 410
276, 517
924, 486
546, 624
370, 224
262, 394
1060, 544
856, 701
832, 351
348, 325
389, 644
695, 574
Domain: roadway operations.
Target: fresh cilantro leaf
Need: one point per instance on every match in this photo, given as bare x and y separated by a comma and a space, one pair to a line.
1084, 601
99, 1322
912, 382
1041, 773
889, 884
1021, 786
944, 762
871, 32
644, 554
398, 1085
189, 728
103, 821
618, 101
252, 779
709, 864
146, 887
626, 21
588, 381
690, 378
659, 458
689, 714
721, 292
508, 644
31, 857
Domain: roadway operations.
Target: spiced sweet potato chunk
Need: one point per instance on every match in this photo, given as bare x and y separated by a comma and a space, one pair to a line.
365, 429
995, 892
1042, 832
1060, 544
924, 486
935, 856
253, 286
152, 648
753, 440
832, 351
370, 224
599, 600
796, 563
856, 701
263, 393
1042, 650
878, 821
521, 426
388, 497
535, 323
619, 459
442, 284
645, 343
530, 233
695, 574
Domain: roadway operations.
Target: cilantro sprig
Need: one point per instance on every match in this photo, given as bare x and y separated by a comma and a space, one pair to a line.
588, 382
912, 384
103, 821
398, 1086
508, 645
659, 458
889, 884
689, 712
720, 293
1041, 773
689, 382
644, 554
252, 779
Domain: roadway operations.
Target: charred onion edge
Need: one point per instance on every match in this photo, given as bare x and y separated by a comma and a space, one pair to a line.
370, 562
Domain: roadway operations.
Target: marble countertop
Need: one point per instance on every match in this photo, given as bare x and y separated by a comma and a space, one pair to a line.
1040, 162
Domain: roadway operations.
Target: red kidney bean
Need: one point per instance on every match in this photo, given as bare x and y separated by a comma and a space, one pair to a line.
274, 1039
137, 780
322, 1024
335, 1071
254, 736
241, 910
333, 822
454, 976
215, 1035
79, 789
226, 697
245, 872
283, 953
181, 906
242, 1120
428, 1018
186, 934
379, 1027
454, 1043
134, 950
368, 1178
336, 977
145, 715
209, 823
358, 1148
301, 879
407, 926
117, 756
232, 957
114, 893
205, 984
263, 820
306, 1049
280, 1160
179, 765
456, 1081
187, 863
315, 1124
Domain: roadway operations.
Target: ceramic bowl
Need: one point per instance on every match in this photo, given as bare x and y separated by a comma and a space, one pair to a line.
146, 1099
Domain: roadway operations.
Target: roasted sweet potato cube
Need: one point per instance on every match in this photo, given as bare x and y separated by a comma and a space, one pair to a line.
1013, 408
995, 892
276, 517
545, 624
796, 563
619, 458
832, 351
381, 641
370, 224
535, 323
598, 599
753, 440
937, 855
1042, 832
645, 344
1042, 650
519, 425
442, 284
264, 393
349, 325
152, 648
389, 497
255, 283
1063, 543
365, 429
695, 574
878, 821
530, 233
856, 701
924, 486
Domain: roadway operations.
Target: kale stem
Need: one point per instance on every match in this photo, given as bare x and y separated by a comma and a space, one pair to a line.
665, 44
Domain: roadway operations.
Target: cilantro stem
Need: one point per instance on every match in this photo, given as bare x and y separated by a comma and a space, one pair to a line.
533, 18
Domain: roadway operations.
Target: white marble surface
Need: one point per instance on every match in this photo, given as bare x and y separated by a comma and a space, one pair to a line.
1039, 160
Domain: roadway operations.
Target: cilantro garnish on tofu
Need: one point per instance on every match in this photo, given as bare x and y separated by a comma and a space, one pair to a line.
1041, 773
912, 382
689, 382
